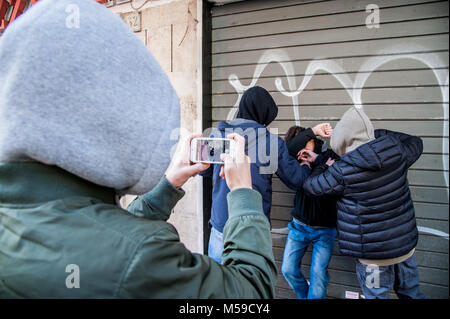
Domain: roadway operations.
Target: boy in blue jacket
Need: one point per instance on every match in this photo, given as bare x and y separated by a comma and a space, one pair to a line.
269, 155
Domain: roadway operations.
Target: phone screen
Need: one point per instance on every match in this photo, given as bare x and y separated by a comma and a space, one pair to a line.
209, 150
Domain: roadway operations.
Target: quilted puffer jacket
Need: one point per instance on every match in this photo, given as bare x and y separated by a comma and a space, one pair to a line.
375, 211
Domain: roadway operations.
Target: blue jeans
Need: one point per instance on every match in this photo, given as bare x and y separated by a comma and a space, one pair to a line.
377, 282
215, 246
299, 238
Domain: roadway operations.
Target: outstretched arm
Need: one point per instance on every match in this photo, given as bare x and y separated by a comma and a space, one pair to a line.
291, 173
330, 182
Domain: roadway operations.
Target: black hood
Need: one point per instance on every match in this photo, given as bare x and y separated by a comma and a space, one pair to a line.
299, 141
257, 105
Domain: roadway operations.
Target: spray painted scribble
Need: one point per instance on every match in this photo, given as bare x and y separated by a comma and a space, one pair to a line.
353, 88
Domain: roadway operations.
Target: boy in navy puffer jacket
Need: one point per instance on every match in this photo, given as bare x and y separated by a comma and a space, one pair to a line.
375, 213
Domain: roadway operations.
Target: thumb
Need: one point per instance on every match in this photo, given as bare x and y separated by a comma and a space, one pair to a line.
197, 168
222, 172
225, 157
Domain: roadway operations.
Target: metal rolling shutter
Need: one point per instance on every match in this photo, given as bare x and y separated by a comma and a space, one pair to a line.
402, 68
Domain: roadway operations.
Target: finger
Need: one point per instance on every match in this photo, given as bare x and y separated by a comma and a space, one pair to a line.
226, 158
186, 147
228, 162
222, 172
186, 140
196, 168
236, 137
204, 166
240, 146
240, 140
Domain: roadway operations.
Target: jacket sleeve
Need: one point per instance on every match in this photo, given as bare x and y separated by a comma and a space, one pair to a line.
329, 182
158, 203
289, 170
323, 157
412, 145
162, 267
318, 169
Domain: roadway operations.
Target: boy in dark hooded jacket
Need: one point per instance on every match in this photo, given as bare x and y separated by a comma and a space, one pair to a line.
375, 212
268, 154
314, 220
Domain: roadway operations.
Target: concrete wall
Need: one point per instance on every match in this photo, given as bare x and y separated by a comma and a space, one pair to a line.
171, 29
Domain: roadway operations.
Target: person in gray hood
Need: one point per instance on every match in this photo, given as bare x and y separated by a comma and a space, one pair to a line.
85, 114
375, 212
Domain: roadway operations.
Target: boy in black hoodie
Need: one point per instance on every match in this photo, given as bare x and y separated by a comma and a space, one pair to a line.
314, 220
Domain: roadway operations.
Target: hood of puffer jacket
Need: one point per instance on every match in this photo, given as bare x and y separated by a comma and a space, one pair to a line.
353, 130
383, 151
80, 91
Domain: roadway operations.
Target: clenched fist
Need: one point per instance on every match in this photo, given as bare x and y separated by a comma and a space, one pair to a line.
323, 130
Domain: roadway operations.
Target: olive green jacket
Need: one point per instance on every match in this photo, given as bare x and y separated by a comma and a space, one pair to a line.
63, 237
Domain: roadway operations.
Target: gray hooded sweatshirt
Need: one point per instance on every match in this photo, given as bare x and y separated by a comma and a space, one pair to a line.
93, 102
78, 90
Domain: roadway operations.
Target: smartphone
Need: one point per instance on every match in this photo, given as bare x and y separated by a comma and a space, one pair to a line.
208, 150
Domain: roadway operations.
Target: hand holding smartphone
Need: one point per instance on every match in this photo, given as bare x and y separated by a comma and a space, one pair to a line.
236, 170
191, 158
181, 168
